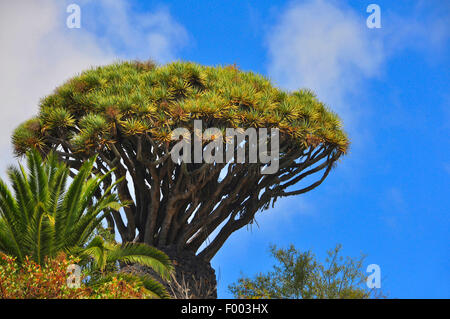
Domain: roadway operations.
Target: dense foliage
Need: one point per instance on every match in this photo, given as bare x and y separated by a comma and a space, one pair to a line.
300, 275
43, 218
101, 259
125, 113
29, 280
129, 99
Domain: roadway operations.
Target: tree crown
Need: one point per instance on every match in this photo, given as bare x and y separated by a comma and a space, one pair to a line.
132, 98
125, 113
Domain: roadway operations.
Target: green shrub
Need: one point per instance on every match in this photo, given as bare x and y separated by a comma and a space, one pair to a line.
30, 280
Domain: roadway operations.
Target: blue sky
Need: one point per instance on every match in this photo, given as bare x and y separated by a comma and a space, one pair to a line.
388, 198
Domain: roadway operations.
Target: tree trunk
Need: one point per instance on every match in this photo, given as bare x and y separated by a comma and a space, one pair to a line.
194, 278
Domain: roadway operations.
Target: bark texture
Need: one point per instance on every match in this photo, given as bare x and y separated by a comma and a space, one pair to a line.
194, 278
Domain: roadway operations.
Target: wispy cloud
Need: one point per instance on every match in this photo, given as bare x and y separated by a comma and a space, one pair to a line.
135, 34
394, 207
39, 52
423, 28
447, 168
324, 47
327, 47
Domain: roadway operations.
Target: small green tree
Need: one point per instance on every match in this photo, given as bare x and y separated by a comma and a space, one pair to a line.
299, 275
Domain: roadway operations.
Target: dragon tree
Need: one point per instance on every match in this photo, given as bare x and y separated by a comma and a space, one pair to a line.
126, 112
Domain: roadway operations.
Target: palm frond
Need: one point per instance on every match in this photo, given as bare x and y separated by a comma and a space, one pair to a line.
145, 255
42, 218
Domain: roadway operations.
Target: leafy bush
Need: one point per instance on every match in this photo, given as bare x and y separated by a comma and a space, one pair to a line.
29, 280
300, 275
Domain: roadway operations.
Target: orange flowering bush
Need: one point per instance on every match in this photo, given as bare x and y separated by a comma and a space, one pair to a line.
29, 280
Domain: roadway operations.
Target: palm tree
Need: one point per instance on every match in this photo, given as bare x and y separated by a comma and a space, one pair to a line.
44, 217
101, 258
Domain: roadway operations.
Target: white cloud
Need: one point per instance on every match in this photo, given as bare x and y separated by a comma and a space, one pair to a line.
285, 214
141, 35
39, 52
424, 28
326, 48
